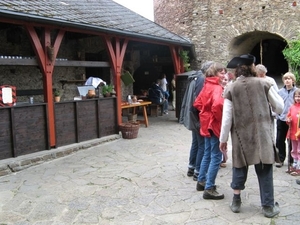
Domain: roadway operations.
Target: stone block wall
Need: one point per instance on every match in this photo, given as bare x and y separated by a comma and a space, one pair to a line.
216, 27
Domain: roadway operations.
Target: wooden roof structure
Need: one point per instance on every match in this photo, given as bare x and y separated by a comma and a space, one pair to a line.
105, 16
116, 24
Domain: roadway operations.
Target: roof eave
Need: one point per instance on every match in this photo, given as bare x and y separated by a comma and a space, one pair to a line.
62, 23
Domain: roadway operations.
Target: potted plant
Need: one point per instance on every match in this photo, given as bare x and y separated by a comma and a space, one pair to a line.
107, 89
57, 96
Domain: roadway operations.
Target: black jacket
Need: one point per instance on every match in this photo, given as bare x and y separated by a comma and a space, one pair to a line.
156, 94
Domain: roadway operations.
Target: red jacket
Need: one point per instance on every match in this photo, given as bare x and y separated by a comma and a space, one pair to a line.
209, 103
293, 113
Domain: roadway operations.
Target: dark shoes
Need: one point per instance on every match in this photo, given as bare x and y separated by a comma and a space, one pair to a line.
271, 211
190, 172
212, 194
200, 186
236, 205
195, 176
298, 181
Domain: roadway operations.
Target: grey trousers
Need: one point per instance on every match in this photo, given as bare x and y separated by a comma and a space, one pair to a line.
264, 174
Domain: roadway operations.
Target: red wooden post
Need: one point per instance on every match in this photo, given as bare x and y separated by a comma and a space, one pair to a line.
47, 67
177, 62
116, 57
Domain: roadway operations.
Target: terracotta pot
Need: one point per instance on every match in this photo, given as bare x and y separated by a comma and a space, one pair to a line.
91, 94
57, 98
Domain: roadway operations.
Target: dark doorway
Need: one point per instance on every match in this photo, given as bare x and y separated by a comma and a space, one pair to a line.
272, 57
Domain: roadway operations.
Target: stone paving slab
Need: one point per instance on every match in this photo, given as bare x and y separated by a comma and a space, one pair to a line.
138, 181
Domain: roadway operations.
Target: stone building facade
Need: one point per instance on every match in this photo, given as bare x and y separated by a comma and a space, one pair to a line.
221, 29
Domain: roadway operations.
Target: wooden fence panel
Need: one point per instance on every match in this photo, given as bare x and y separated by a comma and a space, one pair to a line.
30, 129
65, 123
6, 142
87, 120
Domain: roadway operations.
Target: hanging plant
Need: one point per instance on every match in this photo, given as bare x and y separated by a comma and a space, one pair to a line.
292, 55
184, 55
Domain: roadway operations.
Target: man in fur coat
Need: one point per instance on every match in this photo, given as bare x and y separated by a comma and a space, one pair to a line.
247, 116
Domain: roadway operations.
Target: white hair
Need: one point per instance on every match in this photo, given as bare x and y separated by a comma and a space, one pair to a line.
261, 68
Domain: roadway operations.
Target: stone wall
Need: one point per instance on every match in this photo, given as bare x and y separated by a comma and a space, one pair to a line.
221, 29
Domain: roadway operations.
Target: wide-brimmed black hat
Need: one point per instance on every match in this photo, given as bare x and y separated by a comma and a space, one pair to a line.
241, 60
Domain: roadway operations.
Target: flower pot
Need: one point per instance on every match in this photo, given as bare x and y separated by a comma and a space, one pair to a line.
57, 98
91, 94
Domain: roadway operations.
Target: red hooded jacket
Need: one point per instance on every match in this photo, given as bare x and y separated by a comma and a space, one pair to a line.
210, 104
293, 113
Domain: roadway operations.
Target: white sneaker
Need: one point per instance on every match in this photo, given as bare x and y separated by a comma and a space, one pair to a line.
294, 164
298, 165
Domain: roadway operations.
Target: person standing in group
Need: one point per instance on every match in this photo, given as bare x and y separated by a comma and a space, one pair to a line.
190, 119
209, 103
293, 120
164, 86
224, 83
286, 93
261, 72
247, 116
173, 89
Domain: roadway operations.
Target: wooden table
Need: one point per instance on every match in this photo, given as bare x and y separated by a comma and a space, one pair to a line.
139, 104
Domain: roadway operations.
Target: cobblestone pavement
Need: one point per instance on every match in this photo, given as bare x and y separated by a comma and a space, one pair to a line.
138, 181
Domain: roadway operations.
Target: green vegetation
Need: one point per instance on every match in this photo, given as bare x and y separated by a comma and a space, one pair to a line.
56, 93
184, 55
107, 89
292, 54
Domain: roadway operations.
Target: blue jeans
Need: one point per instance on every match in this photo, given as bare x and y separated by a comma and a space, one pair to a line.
211, 161
166, 105
197, 151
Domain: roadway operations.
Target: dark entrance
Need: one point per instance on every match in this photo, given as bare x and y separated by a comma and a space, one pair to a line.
266, 47
269, 53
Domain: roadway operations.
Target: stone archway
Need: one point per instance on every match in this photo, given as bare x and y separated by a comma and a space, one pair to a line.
266, 47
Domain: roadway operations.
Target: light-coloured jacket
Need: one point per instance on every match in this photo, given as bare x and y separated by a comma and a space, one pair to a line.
288, 99
247, 116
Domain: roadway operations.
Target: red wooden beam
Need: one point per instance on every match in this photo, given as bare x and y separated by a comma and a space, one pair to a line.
37, 46
47, 67
177, 61
116, 55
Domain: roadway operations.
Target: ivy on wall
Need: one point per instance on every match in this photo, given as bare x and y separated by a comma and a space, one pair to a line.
184, 55
292, 54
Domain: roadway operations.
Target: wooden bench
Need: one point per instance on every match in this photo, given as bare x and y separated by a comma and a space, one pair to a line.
156, 110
